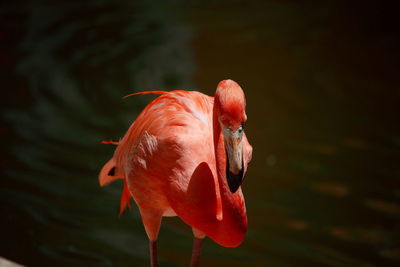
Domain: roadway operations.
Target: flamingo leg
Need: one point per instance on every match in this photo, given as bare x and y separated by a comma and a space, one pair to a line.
196, 251
197, 244
153, 253
151, 221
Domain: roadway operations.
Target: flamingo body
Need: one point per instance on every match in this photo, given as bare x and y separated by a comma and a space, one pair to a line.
169, 160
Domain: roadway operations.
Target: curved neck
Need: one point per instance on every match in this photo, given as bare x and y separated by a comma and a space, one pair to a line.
219, 147
220, 158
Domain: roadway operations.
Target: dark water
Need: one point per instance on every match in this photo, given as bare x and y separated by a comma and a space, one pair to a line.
322, 86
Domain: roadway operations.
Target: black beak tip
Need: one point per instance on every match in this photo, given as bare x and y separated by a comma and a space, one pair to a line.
234, 180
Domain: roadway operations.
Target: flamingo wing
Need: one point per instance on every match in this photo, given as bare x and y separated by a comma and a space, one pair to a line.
165, 144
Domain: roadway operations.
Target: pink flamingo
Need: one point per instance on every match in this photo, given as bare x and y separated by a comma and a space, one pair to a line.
186, 155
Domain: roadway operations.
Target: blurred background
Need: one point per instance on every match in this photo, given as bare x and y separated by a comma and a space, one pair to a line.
322, 86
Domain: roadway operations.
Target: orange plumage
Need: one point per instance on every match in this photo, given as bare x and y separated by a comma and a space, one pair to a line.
186, 155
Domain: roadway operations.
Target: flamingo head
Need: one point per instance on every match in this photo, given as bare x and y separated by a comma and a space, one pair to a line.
230, 105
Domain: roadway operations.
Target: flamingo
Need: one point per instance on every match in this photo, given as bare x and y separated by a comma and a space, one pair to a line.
186, 155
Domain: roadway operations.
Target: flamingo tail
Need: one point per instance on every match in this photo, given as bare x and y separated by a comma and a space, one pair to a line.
109, 173
125, 199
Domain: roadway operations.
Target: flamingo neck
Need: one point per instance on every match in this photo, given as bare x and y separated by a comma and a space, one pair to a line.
220, 158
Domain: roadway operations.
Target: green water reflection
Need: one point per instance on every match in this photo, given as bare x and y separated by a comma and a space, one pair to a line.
322, 89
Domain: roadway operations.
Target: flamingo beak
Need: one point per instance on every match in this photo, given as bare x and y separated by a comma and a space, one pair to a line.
234, 152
